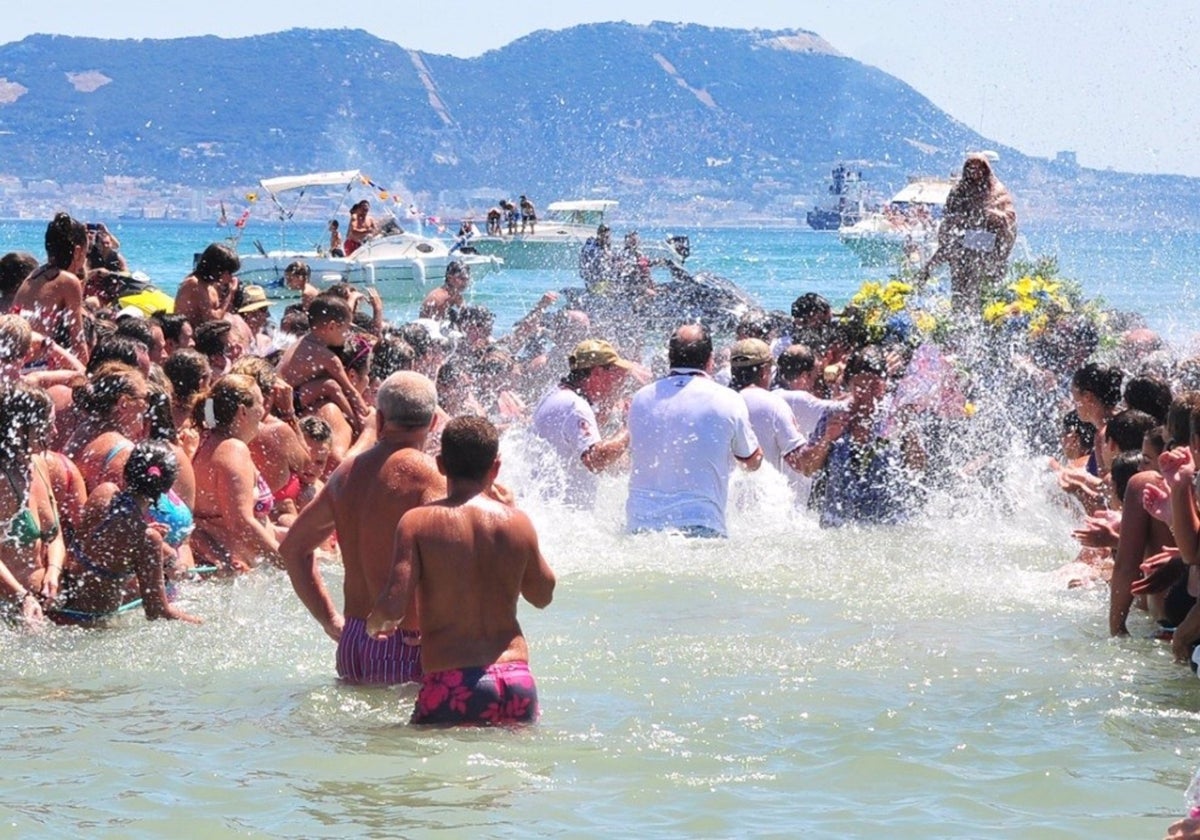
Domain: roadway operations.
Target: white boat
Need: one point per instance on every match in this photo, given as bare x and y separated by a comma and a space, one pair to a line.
557, 239
903, 229
403, 263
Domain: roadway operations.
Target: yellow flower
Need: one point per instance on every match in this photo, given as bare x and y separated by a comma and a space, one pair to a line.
994, 312
969, 409
925, 322
1023, 287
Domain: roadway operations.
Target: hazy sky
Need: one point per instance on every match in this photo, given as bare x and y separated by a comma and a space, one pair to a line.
1116, 82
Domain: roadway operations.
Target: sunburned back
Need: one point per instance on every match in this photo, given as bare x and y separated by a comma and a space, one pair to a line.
472, 559
378, 488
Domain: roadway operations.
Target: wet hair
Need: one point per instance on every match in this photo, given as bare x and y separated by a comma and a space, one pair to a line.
361, 205
16, 337
866, 360
391, 354
160, 422
151, 469
795, 360
139, 329
298, 268
107, 385
1124, 467
1179, 418
406, 399
315, 429
63, 236
294, 321
754, 324
327, 308
342, 291
113, 348
469, 448
417, 337
25, 410
217, 259
472, 315
1127, 429
690, 352
171, 325
211, 337
227, 394
188, 370
355, 355
1149, 394
1084, 430
810, 304
1104, 383
258, 369
741, 378
15, 266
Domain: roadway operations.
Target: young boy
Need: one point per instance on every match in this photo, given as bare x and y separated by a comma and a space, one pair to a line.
467, 559
312, 367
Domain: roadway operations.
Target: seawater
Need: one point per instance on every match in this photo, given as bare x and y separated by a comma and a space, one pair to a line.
931, 680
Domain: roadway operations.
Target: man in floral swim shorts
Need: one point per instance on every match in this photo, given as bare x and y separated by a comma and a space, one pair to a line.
468, 558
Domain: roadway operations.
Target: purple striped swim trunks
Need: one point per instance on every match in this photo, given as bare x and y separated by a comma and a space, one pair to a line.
366, 661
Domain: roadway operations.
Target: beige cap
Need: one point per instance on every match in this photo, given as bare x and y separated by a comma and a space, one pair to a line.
749, 352
596, 352
253, 297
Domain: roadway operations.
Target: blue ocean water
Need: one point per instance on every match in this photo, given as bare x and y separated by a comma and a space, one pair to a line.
936, 679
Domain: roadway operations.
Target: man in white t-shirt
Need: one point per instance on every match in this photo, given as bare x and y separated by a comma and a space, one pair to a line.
750, 363
566, 419
686, 432
797, 376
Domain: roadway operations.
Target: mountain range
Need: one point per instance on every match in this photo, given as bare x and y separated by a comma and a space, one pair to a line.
672, 118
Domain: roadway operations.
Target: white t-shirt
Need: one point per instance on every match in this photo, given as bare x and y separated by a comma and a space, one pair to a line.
567, 422
807, 409
684, 431
774, 425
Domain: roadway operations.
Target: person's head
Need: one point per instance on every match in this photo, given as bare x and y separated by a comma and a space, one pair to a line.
119, 348
15, 266
1154, 443
977, 169
356, 359
296, 275
430, 347
151, 469
217, 262
631, 240
176, 329
603, 235
255, 309
406, 400
750, 363
1124, 467
596, 369
329, 319
1096, 390
260, 370
66, 241
811, 310
690, 347
361, 209
754, 324
475, 322
233, 404
213, 340
114, 392
1179, 418
1078, 436
146, 332
318, 440
294, 321
333, 224
865, 374
1149, 394
160, 419
26, 415
16, 339
189, 373
1125, 430
796, 368
470, 449
458, 275
390, 355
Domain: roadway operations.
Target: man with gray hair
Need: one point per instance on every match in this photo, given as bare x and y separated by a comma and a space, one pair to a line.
363, 501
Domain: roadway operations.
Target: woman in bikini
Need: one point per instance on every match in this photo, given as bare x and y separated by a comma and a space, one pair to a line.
113, 405
120, 540
52, 296
31, 543
233, 502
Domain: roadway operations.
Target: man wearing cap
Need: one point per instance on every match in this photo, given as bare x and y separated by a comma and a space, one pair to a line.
566, 419
686, 433
255, 312
440, 301
774, 425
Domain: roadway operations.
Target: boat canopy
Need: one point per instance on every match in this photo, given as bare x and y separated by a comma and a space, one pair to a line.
587, 205
924, 191
314, 179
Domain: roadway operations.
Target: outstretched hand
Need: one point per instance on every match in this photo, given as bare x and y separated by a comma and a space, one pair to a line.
1100, 530
1177, 467
1159, 573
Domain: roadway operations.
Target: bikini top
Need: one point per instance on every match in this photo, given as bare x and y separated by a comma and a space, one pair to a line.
172, 511
23, 529
264, 499
291, 490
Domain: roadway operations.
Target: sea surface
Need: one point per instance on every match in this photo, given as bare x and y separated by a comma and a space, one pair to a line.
936, 679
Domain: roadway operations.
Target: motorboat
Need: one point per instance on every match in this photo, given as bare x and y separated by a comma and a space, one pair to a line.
905, 228
404, 264
557, 239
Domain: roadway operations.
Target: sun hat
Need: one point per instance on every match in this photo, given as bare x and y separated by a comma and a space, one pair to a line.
749, 352
596, 352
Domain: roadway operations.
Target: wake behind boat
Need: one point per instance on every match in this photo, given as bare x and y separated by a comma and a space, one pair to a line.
407, 263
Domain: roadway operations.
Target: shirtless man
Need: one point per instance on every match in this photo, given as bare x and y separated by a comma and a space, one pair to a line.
449, 295
363, 500
466, 559
207, 293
